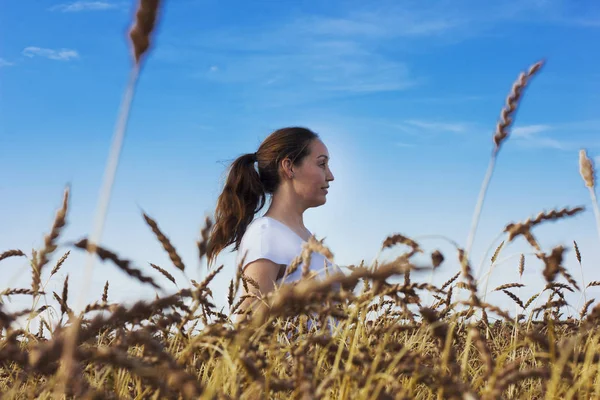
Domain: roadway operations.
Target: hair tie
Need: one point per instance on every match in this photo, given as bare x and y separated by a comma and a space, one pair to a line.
254, 157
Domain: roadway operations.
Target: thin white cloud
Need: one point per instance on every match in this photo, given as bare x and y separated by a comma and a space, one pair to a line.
79, 6
545, 142
325, 66
315, 70
450, 99
59, 55
529, 130
5, 63
445, 20
439, 126
531, 136
377, 24
553, 135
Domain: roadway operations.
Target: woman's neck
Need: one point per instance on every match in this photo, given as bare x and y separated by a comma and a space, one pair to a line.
287, 213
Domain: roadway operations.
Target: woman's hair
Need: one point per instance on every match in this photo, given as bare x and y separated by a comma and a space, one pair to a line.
245, 190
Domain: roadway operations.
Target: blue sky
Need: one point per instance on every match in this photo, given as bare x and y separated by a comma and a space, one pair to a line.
405, 95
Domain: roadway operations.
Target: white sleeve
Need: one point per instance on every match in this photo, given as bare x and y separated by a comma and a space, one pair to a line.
261, 242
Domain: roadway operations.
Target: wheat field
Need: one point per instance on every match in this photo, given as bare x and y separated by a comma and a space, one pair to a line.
372, 333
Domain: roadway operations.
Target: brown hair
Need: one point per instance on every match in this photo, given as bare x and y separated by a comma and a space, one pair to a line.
245, 190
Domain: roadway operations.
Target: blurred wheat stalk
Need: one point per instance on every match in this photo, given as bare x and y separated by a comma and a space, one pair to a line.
140, 36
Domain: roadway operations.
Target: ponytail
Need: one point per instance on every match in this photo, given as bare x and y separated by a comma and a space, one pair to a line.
242, 197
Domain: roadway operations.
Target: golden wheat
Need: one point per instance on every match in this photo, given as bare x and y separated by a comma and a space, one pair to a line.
310, 338
166, 243
49, 242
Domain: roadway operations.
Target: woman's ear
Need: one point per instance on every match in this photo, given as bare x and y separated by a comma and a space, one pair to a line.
286, 166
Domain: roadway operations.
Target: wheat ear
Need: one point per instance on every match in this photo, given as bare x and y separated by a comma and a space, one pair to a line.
588, 172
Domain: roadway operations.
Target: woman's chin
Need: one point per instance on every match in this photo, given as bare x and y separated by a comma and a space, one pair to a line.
319, 202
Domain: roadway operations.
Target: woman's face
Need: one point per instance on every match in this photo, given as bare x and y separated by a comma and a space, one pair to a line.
312, 176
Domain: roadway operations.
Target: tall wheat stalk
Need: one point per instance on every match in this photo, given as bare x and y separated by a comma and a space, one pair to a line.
500, 135
588, 174
140, 35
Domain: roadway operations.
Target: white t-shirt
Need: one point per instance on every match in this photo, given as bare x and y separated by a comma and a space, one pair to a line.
271, 239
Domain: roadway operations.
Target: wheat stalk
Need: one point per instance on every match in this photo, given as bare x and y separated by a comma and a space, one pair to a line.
588, 174
506, 119
508, 286
105, 254
50, 242
493, 261
166, 243
140, 37
60, 262
164, 272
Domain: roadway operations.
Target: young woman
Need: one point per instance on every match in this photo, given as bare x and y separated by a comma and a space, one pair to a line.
292, 166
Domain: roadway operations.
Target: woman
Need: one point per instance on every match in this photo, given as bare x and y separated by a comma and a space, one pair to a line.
293, 167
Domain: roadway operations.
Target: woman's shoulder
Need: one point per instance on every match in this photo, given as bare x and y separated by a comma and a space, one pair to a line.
260, 225
264, 238
265, 230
